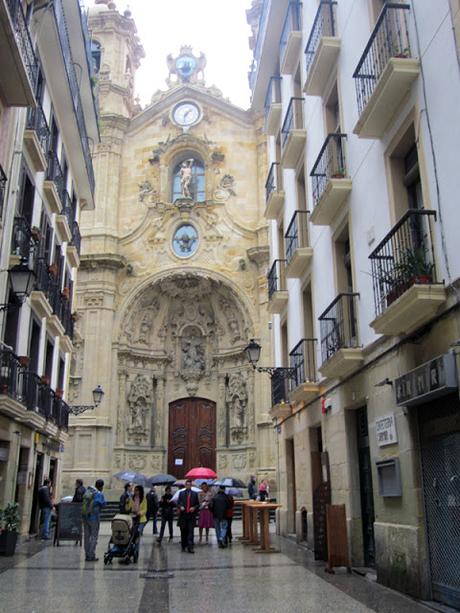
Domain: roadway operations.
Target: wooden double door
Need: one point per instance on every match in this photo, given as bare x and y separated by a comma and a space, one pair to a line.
192, 435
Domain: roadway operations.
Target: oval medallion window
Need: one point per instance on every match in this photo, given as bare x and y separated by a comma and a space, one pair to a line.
185, 241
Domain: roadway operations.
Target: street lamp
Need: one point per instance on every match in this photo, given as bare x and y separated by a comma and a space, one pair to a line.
252, 352
22, 283
77, 409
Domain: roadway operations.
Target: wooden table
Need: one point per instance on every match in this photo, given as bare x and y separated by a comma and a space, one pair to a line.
245, 512
263, 508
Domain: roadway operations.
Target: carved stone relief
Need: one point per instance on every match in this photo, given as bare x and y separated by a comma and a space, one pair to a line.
237, 403
239, 461
140, 402
222, 462
137, 461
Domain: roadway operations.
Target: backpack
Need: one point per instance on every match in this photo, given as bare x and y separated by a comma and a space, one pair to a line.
88, 503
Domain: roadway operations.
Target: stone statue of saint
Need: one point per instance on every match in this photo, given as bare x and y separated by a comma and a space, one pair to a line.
185, 175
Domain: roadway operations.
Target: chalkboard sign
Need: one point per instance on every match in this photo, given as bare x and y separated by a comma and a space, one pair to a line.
68, 525
321, 498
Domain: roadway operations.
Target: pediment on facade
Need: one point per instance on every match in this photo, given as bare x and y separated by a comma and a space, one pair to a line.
207, 97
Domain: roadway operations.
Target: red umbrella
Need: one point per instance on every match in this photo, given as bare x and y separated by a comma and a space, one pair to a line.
201, 473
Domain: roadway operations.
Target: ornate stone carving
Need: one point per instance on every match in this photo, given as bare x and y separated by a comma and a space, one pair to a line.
237, 402
222, 462
137, 461
239, 461
145, 190
226, 188
232, 321
140, 401
155, 463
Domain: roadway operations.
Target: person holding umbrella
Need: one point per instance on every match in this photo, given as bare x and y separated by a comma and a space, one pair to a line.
188, 506
167, 514
205, 519
152, 507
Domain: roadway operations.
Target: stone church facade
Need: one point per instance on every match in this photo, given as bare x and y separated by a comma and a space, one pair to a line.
172, 283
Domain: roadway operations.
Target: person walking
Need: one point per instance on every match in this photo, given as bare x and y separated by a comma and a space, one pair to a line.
188, 507
79, 491
137, 506
219, 506
229, 515
252, 488
93, 502
167, 514
205, 520
124, 498
45, 504
152, 507
264, 491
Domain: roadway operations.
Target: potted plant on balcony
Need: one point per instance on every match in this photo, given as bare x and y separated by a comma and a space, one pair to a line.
53, 269
339, 173
9, 522
44, 380
411, 268
59, 393
66, 292
36, 234
24, 360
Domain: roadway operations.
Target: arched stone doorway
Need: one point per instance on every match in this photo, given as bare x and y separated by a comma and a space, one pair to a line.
192, 435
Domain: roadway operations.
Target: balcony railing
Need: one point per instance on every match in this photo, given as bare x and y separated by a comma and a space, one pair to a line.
76, 237
22, 35
74, 87
338, 325
302, 360
330, 164
296, 235
55, 174
323, 25
276, 278
21, 240
280, 386
67, 209
403, 258
274, 180
42, 275
291, 24
293, 120
389, 38
36, 121
273, 95
28, 389
3, 181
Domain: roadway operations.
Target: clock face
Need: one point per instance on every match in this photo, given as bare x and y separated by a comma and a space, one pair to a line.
186, 114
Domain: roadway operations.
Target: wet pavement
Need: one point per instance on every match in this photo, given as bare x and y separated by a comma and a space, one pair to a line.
42, 578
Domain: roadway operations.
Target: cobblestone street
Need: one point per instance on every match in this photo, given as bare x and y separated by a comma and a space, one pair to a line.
165, 579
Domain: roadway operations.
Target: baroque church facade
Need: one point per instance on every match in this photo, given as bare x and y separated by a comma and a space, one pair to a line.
172, 283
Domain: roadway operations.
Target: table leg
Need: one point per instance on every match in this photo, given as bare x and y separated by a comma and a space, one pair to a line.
265, 546
244, 514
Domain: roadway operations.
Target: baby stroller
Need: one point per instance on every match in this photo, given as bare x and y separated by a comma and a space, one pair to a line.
124, 542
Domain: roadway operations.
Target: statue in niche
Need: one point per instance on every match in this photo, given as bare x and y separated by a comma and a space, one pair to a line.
237, 402
193, 354
145, 327
185, 175
232, 322
140, 402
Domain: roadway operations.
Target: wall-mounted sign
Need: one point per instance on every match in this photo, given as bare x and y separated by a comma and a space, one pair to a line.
430, 380
385, 430
178, 461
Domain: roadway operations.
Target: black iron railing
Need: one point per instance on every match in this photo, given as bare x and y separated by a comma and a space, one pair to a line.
330, 164
3, 181
323, 25
65, 314
76, 237
42, 275
292, 23
296, 235
22, 35
30, 390
273, 94
280, 386
389, 38
74, 87
302, 360
338, 325
276, 278
36, 121
403, 258
274, 180
67, 209
293, 120
55, 174
21, 240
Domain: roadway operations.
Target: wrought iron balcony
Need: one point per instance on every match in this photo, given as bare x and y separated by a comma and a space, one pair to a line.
30, 390
276, 278
55, 174
38, 147
23, 40
387, 61
42, 275
338, 326
330, 164
3, 181
291, 37
68, 210
293, 120
76, 237
302, 359
322, 48
280, 386
74, 87
403, 258
21, 241
272, 105
296, 235
293, 134
274, 181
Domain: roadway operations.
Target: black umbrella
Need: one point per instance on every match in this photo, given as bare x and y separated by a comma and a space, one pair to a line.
162, 480
229, 482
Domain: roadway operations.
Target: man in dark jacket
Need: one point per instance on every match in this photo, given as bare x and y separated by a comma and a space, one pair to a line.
167, 514
252, 488
127, 495
188, 503
46, 504
152, 507
219, 506
79, 491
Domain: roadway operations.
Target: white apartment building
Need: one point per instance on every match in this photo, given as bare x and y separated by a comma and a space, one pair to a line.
48, 127
362, 125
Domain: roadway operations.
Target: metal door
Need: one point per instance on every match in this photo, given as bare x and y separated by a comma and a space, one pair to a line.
441, 480
366, 489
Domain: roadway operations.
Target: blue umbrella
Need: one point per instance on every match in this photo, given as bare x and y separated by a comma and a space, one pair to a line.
131, 475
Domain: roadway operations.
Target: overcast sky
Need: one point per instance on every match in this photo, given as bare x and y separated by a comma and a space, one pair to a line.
216, 27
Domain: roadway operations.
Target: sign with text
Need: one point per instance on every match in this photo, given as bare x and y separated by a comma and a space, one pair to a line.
430, 380
385, 430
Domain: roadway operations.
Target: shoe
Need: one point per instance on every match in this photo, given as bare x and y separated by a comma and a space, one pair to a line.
221, 545
159, 541
170, 538
190, 550
183, 549
91, 559
45, 538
